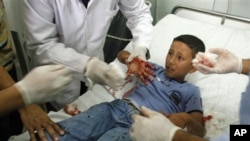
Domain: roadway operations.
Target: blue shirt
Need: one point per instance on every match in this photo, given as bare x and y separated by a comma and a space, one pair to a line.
167, 95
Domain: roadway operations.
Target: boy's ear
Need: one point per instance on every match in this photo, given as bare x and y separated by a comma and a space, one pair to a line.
192, 70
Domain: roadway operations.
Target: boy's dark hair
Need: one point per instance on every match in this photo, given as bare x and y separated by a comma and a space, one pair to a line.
193, 42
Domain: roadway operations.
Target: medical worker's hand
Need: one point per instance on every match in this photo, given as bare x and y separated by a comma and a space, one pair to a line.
36, 121
153, 126
225, 62
105, 74
43, 83
138, 52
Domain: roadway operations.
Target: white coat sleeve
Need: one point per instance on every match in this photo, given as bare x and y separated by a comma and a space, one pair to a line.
42, 39
139, 21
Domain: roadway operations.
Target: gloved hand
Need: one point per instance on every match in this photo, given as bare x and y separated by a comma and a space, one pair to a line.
138, 52
153, 127
105, 74
43, 83
225, 62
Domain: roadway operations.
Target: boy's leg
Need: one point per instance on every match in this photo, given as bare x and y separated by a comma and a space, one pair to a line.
88, 125
121, 126
96, 121
116, 134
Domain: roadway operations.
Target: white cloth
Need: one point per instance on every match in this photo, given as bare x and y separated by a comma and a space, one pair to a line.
79, 32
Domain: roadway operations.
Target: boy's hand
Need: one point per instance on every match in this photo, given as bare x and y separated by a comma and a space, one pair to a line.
140, 68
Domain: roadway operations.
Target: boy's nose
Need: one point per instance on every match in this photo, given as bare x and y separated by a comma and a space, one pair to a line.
172, 60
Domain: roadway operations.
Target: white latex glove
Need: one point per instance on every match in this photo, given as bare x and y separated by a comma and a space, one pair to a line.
153, 127
43, 83
225, 62
105, 74
138, 52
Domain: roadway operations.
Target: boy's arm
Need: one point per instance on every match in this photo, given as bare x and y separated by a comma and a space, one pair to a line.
245, 66
192, 122
196, 125
181, 135
123, 56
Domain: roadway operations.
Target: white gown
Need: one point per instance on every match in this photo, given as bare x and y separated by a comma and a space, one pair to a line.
66, 32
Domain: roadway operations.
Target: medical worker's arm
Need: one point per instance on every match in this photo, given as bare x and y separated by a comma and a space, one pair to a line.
137, 67
102, 73
38, 86
10, 97
224, 62
36, 120
140, 24
42, 35
43, 83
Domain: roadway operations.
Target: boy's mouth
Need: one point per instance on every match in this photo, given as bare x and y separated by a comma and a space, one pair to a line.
169, 69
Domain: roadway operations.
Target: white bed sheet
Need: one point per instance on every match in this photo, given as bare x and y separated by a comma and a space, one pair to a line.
220, 93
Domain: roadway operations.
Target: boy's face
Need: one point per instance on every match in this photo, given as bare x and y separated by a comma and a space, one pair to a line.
179, 61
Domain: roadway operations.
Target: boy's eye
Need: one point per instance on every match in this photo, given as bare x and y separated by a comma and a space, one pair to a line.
180, 58
170, 53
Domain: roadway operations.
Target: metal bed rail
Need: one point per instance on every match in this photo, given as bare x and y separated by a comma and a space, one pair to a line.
224, 16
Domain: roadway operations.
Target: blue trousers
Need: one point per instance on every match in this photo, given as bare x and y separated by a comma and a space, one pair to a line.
109, 121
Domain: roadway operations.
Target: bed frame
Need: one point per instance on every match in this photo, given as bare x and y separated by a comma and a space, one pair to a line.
211, 17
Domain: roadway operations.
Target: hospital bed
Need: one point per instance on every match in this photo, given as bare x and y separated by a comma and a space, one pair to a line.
220, 93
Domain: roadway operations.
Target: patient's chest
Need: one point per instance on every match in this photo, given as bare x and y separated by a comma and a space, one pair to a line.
164, 94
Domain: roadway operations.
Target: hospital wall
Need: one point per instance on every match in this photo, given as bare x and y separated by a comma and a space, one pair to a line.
235, 7
159, 8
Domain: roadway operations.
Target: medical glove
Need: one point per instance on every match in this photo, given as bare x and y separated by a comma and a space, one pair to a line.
140, 52
225, 62
153, 126
102, 73
43, 83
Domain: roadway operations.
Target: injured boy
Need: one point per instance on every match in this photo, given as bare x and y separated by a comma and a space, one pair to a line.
167, 92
